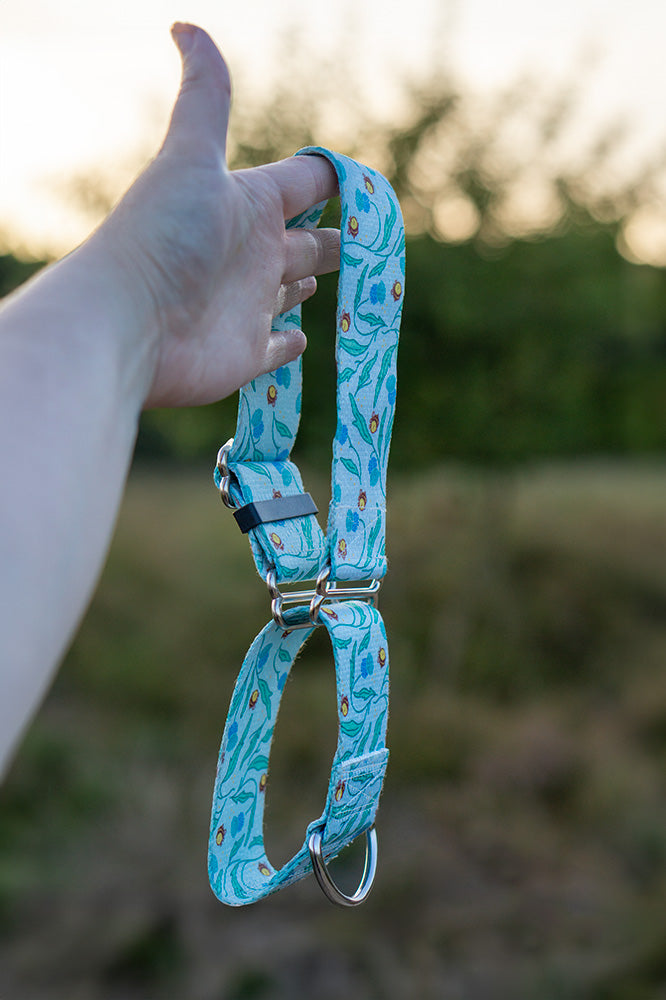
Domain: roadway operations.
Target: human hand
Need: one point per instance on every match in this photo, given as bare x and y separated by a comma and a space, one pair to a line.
203, 251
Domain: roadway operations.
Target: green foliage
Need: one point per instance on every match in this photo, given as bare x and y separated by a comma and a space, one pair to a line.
554, 347
523, 815
550, 347
13, 272
530, 337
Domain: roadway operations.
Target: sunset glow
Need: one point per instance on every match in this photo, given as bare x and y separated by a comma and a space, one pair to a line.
85, 87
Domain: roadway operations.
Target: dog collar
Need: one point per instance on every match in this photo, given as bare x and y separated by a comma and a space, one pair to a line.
257, 479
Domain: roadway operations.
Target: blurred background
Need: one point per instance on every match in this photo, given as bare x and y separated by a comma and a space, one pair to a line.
523, 824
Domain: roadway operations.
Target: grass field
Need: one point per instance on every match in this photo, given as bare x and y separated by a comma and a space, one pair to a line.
523, 823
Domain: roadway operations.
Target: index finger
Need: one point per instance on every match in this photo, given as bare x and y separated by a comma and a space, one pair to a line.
303, 181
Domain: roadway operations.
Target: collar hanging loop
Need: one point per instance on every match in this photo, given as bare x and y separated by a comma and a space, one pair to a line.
344, 566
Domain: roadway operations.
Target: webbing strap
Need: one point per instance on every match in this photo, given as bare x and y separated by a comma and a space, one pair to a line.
239, 870
254, 474
370, 295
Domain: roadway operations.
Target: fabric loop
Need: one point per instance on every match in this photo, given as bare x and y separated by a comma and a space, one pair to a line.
239, 869
370, 295
255, 471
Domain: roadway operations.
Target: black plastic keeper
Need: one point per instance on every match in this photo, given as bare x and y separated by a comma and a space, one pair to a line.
278, 509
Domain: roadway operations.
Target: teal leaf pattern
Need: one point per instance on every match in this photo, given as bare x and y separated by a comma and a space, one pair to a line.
372, 319
370, 296
368, 323
239, 869
352, 347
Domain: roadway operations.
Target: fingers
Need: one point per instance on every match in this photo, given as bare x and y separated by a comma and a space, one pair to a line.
199, 120
303, 181
311, 251
285, 346
293, 294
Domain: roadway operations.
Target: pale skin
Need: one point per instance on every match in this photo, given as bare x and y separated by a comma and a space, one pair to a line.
169, 303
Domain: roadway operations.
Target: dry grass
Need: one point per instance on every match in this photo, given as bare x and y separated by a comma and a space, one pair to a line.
523, 825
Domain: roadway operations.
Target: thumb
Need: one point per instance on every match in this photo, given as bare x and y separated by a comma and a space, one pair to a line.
200, 117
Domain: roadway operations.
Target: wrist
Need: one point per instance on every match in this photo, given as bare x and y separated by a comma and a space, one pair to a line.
114, 291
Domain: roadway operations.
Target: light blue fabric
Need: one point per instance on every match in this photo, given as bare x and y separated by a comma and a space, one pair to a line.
370, 294
238, 867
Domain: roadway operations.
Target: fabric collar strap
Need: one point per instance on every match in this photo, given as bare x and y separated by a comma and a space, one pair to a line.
256, 476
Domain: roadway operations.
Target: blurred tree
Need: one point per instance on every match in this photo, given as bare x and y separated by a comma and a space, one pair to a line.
526, 332
14, 272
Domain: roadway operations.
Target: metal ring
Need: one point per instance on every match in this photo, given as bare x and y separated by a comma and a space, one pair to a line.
225, 479
326, 883
319, 595
223, 455
276, 598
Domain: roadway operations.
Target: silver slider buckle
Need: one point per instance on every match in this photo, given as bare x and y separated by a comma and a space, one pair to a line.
324, 590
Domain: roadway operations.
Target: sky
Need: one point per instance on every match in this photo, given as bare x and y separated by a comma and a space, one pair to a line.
87, 87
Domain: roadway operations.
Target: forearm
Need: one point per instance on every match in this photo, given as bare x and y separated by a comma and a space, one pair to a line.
74, 371
169, 302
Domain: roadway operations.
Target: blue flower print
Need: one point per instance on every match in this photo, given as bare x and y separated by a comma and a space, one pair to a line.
282, 680
362, 201
232, 736
377, 292
367, 665
352, 520
373, 470
237, 823
287, 477
257, 424
283, 376
337, 493
390, 389
341, 433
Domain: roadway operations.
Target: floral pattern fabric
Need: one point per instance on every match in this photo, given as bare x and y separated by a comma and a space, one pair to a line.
239, 870
370, 294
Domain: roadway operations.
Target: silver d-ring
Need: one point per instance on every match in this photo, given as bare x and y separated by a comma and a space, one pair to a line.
326, 883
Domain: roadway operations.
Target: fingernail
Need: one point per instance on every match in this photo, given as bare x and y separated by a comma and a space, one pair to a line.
183, 36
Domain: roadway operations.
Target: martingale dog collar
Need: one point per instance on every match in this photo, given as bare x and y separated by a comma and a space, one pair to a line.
256, 478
